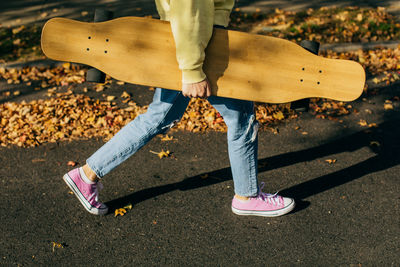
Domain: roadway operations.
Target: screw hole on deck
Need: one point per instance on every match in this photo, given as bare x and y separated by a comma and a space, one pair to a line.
87, 49
89, 37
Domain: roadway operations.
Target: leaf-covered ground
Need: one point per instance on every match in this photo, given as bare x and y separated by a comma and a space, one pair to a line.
325, 25
65, 114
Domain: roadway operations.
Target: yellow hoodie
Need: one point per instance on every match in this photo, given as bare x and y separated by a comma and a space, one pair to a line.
192, 26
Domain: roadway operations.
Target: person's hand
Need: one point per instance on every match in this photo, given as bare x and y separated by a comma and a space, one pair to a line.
201, 89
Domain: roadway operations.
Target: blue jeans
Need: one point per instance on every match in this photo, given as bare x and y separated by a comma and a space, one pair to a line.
167, 108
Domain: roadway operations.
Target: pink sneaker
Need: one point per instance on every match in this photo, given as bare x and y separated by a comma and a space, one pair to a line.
267, 205
86, 193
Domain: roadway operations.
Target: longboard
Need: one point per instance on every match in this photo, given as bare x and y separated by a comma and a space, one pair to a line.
238, 65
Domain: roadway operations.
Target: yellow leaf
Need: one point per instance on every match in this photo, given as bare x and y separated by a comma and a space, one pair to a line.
388, 106
17, 30
363, 123
129, 206
17, 42
278, 115
125, 95
110, 98
162, 154
99, 87
120, 211
330, 161
167, 138
66, 65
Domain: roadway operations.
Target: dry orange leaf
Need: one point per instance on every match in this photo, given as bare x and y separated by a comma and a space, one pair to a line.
167, 138
120, 211
388, 106
162, 153
72, 163
330, 161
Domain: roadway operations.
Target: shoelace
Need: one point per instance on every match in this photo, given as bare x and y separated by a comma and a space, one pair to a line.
97, 187
271, 198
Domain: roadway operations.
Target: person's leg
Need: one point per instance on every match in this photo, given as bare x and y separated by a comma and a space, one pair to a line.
167, 107
242, 142
243, 147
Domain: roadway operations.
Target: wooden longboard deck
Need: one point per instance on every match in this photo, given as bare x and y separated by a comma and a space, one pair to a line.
238, 65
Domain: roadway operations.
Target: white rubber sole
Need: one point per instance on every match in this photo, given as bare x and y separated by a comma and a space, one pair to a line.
272, 213
81, 198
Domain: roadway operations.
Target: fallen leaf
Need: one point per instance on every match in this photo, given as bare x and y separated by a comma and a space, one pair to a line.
120, 211
72, 163
129, 206
57, 245
388, 106
110, 98
17, 30
162, 154
363, 123
125, 95
167, 138
278, 115
374, 143
205, 176
330, 161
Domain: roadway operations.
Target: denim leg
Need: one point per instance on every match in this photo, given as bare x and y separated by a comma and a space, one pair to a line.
167, 107
242, 142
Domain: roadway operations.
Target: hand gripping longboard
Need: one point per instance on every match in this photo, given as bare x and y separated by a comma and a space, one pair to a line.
238, 65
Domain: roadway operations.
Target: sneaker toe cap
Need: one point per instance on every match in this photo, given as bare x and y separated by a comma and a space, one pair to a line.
288, 202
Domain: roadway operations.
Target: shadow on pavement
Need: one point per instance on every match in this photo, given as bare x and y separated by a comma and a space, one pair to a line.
382, 140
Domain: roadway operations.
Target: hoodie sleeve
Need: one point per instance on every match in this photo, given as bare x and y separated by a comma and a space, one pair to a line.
192, 26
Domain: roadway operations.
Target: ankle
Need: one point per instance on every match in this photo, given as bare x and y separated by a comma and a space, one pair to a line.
241, 197
91, 175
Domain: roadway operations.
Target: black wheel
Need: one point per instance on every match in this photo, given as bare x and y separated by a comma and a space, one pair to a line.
301, 105
95, 76
101, 14
311, 46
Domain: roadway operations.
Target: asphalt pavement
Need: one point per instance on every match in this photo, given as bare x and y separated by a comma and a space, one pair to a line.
347, 214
